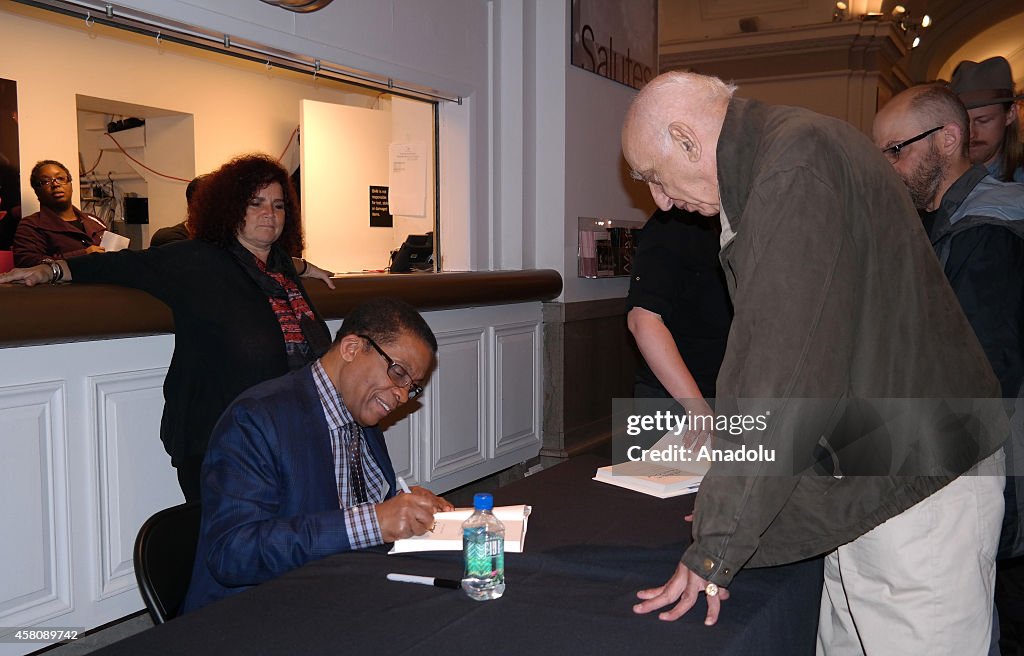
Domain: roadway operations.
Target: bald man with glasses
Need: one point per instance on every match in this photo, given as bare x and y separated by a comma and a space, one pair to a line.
972, 219
297, 468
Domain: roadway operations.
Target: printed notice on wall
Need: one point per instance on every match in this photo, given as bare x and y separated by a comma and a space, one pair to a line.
380, 214
408, 178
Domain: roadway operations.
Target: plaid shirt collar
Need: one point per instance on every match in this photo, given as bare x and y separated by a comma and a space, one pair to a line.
335, 410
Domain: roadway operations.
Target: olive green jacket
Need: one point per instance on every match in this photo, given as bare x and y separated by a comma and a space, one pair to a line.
838, 296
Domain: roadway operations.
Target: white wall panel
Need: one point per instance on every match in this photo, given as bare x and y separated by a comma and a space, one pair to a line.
516, 387
134, 474
457, 400
34, 564
72, 438
402, 438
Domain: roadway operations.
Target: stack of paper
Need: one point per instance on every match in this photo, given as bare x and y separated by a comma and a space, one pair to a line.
657, 480
447, 533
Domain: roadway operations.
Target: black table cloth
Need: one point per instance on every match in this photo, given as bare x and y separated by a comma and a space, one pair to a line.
589, 548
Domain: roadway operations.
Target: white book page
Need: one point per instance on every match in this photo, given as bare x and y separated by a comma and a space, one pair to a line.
447, 532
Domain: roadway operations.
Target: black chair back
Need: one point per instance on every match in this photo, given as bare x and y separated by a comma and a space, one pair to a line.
164, 551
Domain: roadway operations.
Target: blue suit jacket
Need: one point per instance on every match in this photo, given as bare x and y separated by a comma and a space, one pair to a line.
270, 497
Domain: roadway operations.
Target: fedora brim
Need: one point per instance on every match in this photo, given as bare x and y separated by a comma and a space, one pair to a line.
974, 104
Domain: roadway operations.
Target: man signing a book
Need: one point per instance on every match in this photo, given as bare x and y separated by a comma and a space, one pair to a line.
297, 469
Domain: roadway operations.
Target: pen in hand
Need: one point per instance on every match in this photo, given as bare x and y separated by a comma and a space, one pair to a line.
402, 485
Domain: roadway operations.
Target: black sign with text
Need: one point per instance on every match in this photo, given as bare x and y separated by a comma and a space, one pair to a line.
380, 213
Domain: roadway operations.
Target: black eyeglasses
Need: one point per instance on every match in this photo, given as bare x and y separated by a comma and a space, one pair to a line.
46, 182
892, 153
396, 372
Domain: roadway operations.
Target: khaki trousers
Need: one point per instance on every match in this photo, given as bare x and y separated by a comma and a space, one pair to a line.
922, 582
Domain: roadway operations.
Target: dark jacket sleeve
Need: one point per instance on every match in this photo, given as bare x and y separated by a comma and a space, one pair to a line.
986, 270
791, 312
249, 542
153, 270
30, 245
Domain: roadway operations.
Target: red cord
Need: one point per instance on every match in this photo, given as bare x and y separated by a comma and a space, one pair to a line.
95, 164
171, 177
125, 153
289, 144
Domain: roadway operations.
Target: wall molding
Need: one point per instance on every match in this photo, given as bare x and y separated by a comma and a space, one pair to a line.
470, 343
35, 414
111, 397
522, 341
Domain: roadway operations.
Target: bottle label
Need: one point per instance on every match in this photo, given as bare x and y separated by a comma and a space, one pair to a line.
485, 554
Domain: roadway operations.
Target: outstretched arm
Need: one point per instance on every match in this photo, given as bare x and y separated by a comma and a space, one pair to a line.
307, 269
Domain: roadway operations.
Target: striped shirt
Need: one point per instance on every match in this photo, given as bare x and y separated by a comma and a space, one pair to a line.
360, 518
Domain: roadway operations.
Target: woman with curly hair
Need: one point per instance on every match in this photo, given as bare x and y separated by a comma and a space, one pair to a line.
241, 314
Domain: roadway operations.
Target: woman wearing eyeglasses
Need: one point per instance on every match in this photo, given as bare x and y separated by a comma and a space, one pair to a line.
241, 313
59, 230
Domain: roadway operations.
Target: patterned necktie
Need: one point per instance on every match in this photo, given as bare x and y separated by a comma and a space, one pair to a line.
355, 464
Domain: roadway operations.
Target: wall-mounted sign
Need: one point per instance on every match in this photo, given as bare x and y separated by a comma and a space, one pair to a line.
615, 39
408, 178
380, 214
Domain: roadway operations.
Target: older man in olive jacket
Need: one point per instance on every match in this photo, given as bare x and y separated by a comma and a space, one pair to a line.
837, 296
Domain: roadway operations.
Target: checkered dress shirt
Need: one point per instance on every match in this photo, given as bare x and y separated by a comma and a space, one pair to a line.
360, 518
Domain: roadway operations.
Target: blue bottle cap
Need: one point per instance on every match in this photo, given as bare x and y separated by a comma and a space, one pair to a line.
483, 501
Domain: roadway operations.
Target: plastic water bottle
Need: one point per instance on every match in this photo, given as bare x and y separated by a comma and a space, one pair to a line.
483, 548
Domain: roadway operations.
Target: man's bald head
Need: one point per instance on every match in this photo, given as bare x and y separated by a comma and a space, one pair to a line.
923, 133
668, 98
670, 135
926, 106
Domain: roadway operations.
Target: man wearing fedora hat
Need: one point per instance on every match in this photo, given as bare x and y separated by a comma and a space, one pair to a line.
986, 89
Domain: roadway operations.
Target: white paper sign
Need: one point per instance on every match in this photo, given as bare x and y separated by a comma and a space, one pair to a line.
112, 241
408, 178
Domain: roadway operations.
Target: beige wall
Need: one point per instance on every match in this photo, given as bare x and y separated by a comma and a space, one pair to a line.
236, 107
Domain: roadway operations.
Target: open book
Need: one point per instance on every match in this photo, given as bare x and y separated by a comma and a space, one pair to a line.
658, 479
447, 533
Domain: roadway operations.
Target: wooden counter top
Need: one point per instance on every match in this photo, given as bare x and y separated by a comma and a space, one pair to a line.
50, 314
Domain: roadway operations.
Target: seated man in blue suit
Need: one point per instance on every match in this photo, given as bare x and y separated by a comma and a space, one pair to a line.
297, 470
